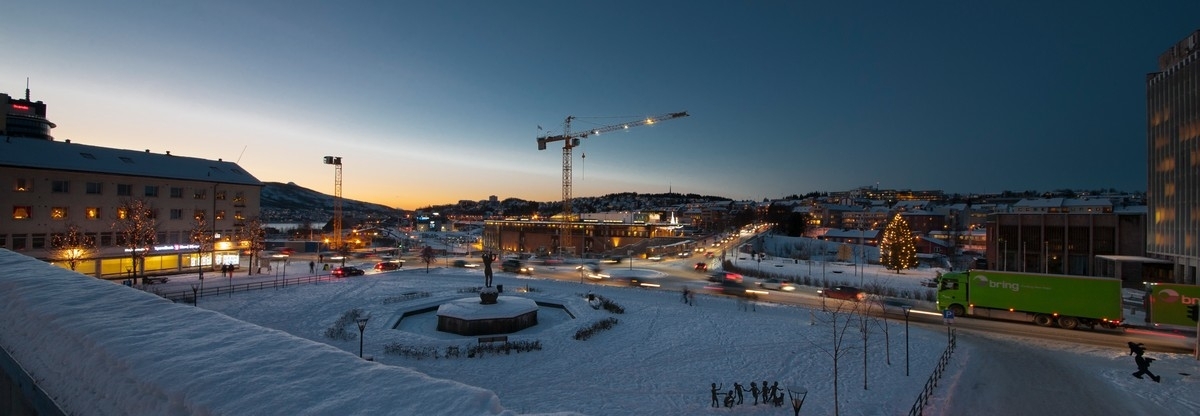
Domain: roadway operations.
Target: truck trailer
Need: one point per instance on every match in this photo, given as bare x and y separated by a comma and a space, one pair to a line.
1043, 299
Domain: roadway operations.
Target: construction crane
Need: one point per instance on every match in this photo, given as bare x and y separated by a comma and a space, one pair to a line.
572, 140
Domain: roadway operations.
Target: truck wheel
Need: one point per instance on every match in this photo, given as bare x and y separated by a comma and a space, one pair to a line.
1068, 322
1043, 320
958, 310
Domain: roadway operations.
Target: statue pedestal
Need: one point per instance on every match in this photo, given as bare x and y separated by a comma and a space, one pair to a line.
488, 296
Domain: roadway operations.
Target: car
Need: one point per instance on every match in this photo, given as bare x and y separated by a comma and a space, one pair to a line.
843, 293
384, 266
776, 284
516, 266
701, 266
721, 276
152, 280
287, 250
731, 288
346, 271
654, 258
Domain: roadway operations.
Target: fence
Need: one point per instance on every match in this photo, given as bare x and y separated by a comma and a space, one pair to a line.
918, 408
190, 296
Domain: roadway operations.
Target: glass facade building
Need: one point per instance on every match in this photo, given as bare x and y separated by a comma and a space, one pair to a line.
1173, 152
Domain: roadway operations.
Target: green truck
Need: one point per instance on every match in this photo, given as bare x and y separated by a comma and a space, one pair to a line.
1044, 299
1172, 304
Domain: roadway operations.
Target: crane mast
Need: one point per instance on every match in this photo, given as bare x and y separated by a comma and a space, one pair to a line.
572, 140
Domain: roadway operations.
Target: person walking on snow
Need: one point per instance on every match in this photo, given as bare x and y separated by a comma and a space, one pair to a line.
1143, 365
715, 402
754, 392
738, 388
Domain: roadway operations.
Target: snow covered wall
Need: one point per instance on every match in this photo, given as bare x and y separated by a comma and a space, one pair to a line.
101, 348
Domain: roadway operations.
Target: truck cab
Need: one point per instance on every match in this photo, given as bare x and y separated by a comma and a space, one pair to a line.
952, 293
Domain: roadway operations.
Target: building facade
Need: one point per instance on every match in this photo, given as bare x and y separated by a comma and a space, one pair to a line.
1069, 243
49, 187
1173, 150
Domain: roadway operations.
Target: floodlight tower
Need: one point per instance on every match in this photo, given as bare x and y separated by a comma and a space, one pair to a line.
336, 161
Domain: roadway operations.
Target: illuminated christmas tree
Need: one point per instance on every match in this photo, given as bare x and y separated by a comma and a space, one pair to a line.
898, 250
72, 246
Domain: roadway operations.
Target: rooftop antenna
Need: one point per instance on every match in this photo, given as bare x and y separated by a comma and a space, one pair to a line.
239, 159
26, 88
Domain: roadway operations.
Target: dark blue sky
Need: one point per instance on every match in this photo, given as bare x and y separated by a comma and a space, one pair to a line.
432, 102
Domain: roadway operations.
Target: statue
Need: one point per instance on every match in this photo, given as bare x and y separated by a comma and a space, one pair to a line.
488, 258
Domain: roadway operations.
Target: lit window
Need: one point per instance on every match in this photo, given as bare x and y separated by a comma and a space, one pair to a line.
58, 213
122, 213
200, 194
92, 213
220, 214
198, 214
22, 185
22, 212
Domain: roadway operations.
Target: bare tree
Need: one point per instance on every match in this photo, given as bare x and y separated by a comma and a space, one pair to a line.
839, 319
428, 256
253, 239
72, 245
136, 228
202, 236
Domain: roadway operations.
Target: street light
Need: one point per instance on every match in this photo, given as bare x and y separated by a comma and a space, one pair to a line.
797, 394
906, 309
362, 326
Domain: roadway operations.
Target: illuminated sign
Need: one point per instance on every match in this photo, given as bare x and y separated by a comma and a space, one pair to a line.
20, 107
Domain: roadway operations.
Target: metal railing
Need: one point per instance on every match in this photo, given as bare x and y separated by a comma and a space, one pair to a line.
918, 408
190, 296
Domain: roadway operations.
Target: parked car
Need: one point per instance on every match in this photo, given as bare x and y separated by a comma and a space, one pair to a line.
152, 280
384, 266
346, 271
776, 284
844, 293
516, 266
287, 250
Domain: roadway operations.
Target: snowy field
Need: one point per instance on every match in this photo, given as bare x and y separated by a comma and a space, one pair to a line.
102, 348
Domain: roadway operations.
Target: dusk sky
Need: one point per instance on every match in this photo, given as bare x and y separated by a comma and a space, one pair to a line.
435, 102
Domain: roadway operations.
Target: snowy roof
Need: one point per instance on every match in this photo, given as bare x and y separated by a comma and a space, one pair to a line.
67, 156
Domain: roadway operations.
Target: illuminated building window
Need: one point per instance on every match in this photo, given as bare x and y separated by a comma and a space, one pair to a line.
200, 194
198, 214
58, 213
92, 213
220, 214
22, 185
122, 213
237, 215
220, 195
22, 212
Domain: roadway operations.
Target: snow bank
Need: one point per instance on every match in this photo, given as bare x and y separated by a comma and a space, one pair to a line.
101, 348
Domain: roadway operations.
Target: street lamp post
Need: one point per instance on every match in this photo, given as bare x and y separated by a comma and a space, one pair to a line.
906, 309
797, 394
362, 326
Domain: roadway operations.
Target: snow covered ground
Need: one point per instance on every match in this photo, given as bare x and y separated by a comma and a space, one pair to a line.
103, 348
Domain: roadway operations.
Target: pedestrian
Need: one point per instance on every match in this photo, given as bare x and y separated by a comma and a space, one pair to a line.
684, 298
1143, 365
715, 403
320, 258
774, 389
312, 267
754, 392
738, 388
691, 298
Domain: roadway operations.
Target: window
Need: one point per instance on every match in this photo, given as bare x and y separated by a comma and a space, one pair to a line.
220, 214
122, 213
200, 193
237, 215
176, 214
124, 189
151, 191
59, 187
58, 213
198, 214
22, 212
176, 192
94, 188
92, 213
220, 195
22, 185
19, 241
39, 241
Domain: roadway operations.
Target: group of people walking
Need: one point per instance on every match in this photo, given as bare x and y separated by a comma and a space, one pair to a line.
770, 395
